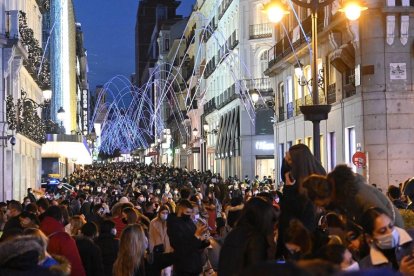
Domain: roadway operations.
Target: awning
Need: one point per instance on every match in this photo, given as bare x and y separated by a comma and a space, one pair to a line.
72, 147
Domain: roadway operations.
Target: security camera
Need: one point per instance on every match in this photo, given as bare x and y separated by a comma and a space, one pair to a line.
13, 140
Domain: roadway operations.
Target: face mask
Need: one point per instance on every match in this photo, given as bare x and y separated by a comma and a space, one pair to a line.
113, 231
164, 216
196, 217
99, 190
186, 217
388, 241
124, 221
352, 267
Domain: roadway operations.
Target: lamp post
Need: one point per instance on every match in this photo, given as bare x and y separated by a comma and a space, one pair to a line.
315, 112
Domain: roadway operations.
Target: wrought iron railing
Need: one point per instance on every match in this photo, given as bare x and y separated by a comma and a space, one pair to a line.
35, 64
282, 48
264, 30
261, 84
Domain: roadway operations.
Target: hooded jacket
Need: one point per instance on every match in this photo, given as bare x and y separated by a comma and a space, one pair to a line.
20, 256
61, 243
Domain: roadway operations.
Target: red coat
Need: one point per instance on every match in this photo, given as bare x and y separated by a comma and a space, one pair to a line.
61, 243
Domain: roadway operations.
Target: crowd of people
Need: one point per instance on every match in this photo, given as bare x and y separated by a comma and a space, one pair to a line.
128, 219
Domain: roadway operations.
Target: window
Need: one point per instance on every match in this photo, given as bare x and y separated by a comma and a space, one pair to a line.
263, 62
331, 151
167, 44
350, 145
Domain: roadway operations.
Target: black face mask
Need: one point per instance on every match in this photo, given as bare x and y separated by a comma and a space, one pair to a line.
186, 217
124, 220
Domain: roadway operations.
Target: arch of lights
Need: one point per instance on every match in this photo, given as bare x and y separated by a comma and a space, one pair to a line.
131, 116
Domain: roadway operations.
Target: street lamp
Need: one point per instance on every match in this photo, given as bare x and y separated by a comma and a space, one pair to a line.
195, 132
61, 117
315, 112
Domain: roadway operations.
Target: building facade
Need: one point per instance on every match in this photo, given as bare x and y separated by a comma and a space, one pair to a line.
367, 78
24, 78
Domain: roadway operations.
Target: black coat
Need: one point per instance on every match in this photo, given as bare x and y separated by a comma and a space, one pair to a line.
109, 248
293, 205
242, 248
91, 256
187, 248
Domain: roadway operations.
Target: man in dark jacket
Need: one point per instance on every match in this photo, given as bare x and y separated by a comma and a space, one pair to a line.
89, 252
187, 240
14, 209
108, 244
85, 207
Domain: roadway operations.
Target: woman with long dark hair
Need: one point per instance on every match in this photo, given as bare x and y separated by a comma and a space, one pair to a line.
300, 163
252, 240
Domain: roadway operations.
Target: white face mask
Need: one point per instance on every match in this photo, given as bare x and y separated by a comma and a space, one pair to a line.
352, 267
164, 216
113, 231
196, 217
388, 241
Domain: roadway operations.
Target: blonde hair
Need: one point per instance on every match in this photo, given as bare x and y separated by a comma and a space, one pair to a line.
76, 223
40, 238
131, 250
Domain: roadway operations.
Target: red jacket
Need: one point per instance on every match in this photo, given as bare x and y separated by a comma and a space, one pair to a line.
61, 243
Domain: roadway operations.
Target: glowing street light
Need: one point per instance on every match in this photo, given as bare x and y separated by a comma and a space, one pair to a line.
47, 95
275, 11
195, 132
352, 10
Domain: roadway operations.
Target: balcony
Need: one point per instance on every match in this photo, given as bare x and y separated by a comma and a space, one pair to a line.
227, 96
261, 84
258, 31
210, 67
331, 93
283, 48
210, 106
233, 40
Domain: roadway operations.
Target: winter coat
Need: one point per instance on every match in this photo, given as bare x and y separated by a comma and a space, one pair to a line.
376, 259
242, 248
20, 257
61, 243
187, 248
158, 235
109, 248
91, 256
